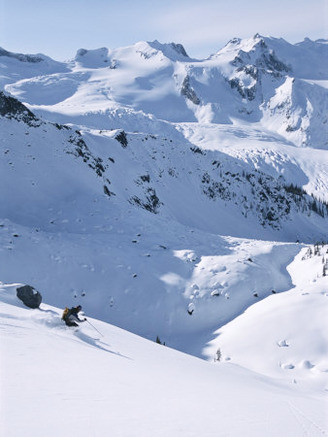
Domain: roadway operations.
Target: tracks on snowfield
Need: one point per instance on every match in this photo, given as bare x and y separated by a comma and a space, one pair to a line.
309, 427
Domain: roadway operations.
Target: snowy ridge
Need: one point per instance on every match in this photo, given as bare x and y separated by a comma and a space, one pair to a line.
21, 66
250, 81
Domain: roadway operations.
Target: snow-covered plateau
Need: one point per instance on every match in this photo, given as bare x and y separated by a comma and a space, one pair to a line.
181, 200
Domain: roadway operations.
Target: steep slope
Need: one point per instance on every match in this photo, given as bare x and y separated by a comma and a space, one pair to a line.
265, 152
165, 175
144, 250
122, 385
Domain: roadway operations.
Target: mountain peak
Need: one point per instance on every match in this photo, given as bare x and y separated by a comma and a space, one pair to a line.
309, 43
33, 59
245, 45
92, 58
171, 50
234, 41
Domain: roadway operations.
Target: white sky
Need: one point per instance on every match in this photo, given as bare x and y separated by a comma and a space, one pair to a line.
59, 28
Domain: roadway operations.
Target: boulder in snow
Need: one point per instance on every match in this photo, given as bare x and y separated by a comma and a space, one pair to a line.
29, 296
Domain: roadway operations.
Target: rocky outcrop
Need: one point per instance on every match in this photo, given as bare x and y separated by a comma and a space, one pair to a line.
13, 108
188, 92
29, 296
20, 57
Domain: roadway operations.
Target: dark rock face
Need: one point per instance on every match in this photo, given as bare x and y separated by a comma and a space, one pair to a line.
122, 138
179, 49
189, 92
29, 296
20, 57
13, 108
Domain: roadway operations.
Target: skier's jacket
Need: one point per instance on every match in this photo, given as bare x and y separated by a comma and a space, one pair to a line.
70, 316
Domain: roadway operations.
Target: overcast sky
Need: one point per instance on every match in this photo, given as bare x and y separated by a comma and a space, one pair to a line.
59, 28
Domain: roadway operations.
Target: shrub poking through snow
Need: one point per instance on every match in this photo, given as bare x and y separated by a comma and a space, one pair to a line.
218, 355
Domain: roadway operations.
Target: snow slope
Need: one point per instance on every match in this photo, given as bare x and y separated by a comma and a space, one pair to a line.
171, 197
289, 329
145, 250
56, 380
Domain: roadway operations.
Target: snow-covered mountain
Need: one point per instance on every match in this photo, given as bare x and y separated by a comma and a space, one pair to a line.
167, 194
266, 80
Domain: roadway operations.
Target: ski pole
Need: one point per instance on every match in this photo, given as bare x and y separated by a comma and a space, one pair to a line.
94, 328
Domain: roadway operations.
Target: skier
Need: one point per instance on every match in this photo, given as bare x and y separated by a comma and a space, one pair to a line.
70, 316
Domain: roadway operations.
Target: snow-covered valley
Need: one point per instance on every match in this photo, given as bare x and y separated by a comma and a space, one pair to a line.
177, 199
